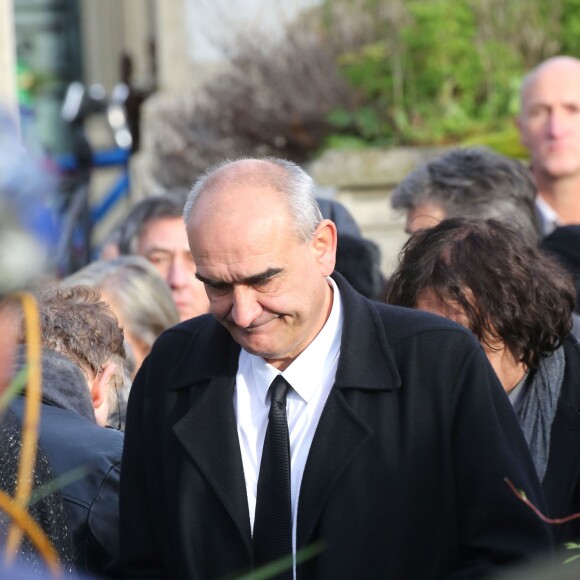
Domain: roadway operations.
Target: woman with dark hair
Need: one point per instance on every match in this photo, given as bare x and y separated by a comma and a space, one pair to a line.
518, 302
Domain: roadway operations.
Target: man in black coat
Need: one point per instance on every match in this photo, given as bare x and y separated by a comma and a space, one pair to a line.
400, 435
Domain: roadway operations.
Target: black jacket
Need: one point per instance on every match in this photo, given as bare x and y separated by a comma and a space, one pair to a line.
73, 441
562, 480
404, 478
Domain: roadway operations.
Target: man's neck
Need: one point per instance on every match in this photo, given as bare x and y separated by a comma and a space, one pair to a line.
563, 196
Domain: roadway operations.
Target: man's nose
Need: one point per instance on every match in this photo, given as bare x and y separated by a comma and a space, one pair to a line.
245, 307
177, 275
557, 123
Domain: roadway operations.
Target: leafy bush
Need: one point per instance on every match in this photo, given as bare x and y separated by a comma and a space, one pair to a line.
439, 71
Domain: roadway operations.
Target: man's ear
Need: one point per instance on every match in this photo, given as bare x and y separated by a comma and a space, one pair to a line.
100, 389
324, 245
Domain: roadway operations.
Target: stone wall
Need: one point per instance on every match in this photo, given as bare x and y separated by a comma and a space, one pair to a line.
363, 181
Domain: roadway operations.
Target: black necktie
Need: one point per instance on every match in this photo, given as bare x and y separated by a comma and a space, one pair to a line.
273, 519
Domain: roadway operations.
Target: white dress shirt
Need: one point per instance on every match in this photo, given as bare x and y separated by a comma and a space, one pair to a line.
311, 376
549, 219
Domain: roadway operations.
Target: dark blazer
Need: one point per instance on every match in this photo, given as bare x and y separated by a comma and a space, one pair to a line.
91, 499
404, 478
562, 480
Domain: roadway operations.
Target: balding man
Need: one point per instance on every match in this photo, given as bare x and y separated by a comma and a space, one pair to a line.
549, 124
300, 420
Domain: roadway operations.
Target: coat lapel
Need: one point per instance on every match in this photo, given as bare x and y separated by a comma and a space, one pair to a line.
366, 364
563, 466
209, 435
563, 470
339, 436
208, 430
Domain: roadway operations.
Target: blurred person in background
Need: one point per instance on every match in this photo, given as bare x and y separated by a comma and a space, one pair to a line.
82, 369
517, 301
549, 125
473, 183
154, 229
335, 211
359, 261
142, 303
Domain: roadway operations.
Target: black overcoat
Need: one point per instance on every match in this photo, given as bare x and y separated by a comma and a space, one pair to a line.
561, 483
405, 475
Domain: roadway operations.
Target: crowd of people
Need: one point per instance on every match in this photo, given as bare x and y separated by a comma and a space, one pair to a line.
234, 385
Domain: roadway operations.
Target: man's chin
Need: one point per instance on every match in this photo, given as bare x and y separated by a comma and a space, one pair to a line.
253, 344
559, 168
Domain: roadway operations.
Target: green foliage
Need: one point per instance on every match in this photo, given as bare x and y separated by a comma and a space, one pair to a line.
441, 71
571, 27
349, 142
505, 141
572, 546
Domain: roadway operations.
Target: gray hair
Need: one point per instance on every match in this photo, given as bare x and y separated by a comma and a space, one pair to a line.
137, 290
169, 205
474, 183
287, 178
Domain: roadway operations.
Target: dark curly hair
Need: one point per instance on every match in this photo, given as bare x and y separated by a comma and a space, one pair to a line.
508, 290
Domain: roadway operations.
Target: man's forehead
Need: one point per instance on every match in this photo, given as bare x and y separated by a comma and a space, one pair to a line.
163, 227
235, 196
558, 79
164, 234
241, 212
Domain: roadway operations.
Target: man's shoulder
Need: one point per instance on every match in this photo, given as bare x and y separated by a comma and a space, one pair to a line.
402, 324
206, 324
192, 349
172, 342
72, 443
76, 438
65, 422
396, 323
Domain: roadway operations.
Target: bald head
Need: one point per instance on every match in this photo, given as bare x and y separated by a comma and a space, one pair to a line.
557, 66
549, 122
225, 182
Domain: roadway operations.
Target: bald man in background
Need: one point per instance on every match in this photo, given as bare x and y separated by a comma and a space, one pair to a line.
549, 124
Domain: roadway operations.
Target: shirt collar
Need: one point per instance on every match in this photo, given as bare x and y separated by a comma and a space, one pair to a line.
550, 219
306, 373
